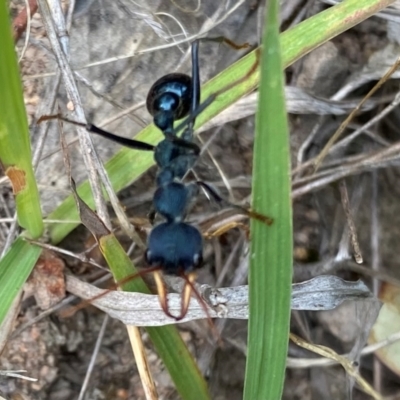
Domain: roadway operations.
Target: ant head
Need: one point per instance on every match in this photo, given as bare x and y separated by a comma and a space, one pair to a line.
169, 99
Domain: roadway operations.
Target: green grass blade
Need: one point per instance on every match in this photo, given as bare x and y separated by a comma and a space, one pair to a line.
270, 275
15, 150
179, 362
15, 268
127, 165
166, 340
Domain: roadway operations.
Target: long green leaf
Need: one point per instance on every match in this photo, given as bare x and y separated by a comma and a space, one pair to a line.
15, 268
270, 275
15, 150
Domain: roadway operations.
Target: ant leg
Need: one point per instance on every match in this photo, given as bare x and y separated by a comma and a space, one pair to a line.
84, 303
187, 291
202, 106
185, 297
227, 227
195, 88
189, 283
188, 288
133, 144
251, 213
162, 294
152, 215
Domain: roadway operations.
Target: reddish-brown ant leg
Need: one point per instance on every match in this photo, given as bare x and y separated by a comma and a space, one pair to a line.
87, 302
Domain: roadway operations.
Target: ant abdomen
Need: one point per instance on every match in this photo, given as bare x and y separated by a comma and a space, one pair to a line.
169, 99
